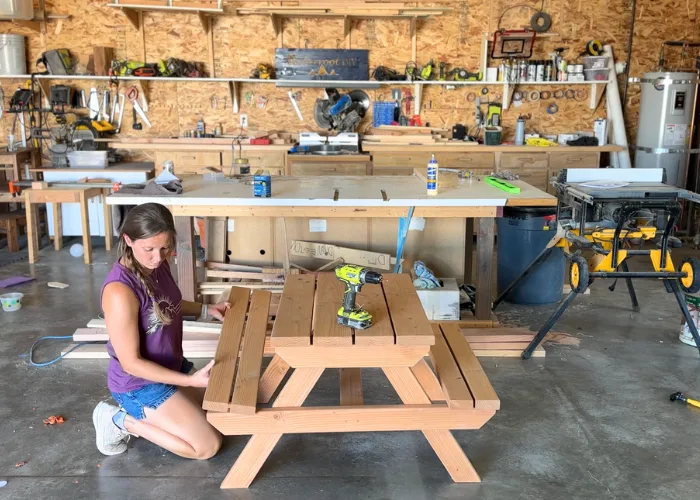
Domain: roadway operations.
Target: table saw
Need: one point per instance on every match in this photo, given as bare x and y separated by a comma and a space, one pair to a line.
617, 214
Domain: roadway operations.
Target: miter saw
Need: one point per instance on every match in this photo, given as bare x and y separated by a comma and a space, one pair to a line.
341, 112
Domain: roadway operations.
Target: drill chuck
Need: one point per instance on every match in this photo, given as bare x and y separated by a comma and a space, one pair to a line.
371, 277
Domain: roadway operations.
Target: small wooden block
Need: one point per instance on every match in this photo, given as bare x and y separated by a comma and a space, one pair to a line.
40, 185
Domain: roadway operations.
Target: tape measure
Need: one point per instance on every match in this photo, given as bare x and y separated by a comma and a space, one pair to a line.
594, 48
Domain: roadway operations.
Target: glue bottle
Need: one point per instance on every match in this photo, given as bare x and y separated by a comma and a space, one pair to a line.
432, 176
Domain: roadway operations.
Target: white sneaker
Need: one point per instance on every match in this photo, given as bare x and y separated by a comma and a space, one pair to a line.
109, 438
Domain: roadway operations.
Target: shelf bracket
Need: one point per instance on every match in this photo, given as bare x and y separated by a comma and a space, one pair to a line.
414, 39
133, 18
204, 20
233, 91
597, 91
45, 86
347, 30
417, 89
210, 44
507, 94
32, 25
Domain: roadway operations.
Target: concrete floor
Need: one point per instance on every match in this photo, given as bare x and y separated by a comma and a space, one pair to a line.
590, 421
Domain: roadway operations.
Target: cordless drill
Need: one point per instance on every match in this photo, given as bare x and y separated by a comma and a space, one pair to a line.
354, 277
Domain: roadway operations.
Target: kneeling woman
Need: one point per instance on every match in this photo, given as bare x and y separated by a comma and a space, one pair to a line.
158, 391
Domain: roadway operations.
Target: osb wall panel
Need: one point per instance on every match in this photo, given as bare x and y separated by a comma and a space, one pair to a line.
240, 42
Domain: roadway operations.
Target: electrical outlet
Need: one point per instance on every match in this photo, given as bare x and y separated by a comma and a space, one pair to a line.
244, 121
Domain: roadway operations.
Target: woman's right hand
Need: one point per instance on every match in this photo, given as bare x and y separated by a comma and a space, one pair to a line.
200, 378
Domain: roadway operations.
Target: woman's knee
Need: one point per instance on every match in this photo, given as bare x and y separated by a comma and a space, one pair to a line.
209, 446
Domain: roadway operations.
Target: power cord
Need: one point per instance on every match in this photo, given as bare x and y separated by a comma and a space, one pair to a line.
49, 337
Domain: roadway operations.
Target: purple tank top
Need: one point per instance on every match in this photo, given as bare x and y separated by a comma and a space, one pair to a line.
159, 343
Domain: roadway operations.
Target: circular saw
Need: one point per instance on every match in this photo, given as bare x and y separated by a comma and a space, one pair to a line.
341, 112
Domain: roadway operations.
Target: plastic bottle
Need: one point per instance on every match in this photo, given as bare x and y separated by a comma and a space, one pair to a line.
200, 127
432, 176
531, 71
520, 131
540, 71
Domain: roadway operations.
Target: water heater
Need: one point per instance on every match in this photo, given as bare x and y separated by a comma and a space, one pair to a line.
665, 118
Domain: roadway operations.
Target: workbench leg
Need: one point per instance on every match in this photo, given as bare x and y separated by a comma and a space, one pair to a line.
32, 229
186, 262
109, 225
468, 250
260, 446
443, 442
57, 226
12, 236
484, 265
85, 219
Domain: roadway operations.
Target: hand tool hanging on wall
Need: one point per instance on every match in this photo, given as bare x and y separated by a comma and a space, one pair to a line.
133, 94
136, 125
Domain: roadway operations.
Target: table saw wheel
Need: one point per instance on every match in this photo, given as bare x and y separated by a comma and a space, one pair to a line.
578, 274
691, 283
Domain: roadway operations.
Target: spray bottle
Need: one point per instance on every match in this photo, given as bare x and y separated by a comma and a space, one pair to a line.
432, 176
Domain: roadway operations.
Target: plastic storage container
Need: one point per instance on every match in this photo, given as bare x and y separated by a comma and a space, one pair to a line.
11, 301
593, 75
12, 58
87, 159
492, 136
595, 62
383, 113
523, 232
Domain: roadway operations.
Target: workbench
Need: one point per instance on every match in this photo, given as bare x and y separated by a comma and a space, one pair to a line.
358, 197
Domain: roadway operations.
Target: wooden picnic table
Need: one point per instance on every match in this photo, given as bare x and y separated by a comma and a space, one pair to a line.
454, 394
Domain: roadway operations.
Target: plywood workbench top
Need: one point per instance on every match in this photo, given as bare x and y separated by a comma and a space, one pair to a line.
356, 191
117, 167
462, 147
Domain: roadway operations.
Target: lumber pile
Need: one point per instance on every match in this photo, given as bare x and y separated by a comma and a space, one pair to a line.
201, 338
394, 134
259, 278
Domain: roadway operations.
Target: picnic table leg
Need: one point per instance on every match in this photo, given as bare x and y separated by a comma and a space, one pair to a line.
443, 442
260, 446
271, 378
33, 239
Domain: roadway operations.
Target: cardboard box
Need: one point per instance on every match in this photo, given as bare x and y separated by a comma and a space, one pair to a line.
321, 64
441, 303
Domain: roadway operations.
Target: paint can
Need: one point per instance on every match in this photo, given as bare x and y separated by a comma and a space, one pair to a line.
693, 304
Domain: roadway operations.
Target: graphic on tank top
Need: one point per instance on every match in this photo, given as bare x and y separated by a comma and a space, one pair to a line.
167, 306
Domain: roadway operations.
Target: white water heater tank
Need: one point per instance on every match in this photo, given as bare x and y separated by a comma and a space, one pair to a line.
17, 9
665, 115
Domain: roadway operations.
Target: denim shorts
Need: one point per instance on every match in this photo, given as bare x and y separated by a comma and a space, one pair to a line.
149, 396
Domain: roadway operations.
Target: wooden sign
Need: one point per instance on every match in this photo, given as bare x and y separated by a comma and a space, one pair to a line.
321, 64
350, 256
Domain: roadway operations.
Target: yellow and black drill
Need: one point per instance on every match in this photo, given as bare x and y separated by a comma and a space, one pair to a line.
354, 277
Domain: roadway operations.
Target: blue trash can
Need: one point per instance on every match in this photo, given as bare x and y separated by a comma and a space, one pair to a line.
523, 232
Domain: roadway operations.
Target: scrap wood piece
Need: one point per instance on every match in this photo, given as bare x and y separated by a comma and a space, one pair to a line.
263, 276
325, 251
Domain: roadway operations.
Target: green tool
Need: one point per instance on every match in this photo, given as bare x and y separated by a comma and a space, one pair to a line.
501, 184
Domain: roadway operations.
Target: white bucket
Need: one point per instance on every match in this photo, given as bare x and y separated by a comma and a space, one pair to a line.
693, 304
17, 9
11, 301
12, 58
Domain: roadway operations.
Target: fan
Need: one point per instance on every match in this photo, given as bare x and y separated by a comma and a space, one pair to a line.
341, 112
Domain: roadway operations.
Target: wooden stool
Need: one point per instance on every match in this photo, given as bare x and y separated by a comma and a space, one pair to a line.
307, 338
12, 223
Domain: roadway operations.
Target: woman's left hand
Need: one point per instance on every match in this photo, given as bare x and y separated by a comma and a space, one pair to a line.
218, 311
